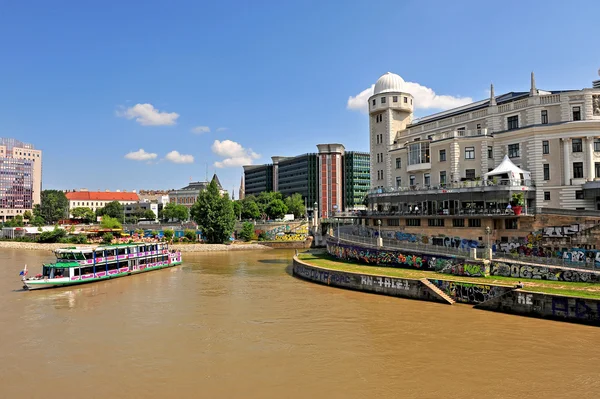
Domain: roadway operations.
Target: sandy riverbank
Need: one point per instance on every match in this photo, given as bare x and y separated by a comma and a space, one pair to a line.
180, 247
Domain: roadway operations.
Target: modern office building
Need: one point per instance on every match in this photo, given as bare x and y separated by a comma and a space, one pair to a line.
20, 178
189, 194
333, 178
98, 199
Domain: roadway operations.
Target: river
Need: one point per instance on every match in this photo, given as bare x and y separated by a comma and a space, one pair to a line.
237, 325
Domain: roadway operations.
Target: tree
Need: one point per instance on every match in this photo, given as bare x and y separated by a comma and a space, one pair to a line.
250, 209
168, 234
247, 232
38, 221
17, 221
214, 214
295, 205
52, 236
27, 216
84, 213
148, 214
110, 223
53, 207
237, 208
113, 209
176, 212
276, 209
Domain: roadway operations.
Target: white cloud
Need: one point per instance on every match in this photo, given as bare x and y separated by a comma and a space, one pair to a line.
234, 154
176, 157
221, 129
147, 115
201, 129
425, 98
141, 155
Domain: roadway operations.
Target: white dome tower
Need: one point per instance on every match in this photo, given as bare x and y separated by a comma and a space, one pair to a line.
390, 110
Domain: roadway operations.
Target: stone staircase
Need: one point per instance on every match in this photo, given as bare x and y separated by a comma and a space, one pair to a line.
441, 294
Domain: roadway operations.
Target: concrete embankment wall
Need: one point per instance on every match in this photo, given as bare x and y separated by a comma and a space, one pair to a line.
536, 304
289, 244
398, 287
498, 298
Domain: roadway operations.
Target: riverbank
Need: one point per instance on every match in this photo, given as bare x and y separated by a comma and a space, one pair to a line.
583, 308
180, 247
587, 290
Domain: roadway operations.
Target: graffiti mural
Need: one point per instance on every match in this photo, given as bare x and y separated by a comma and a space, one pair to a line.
392, 258
467, 269
469, 293
543, 273
580, 309
442, 241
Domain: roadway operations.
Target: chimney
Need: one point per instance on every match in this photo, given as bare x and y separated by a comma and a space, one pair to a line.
492, 95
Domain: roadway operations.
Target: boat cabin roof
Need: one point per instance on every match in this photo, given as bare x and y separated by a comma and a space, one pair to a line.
103, 247
62, 265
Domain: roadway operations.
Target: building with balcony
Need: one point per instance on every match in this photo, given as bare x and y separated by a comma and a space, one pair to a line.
460, 173
336, 179
555, 135
20, 178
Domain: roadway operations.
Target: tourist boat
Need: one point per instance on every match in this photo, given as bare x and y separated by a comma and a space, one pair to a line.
78, 265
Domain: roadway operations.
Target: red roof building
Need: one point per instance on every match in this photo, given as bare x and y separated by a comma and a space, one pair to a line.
99, 199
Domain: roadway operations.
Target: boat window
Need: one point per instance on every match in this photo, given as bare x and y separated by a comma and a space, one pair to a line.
88, 255
99, 254
46, 271
142, 261
112, 266
110, 252
76, 271
122, 251
58, 272
87, 270
100, 268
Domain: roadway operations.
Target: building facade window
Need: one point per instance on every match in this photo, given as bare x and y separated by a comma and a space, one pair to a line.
577, 145
510, 224
597, 168
596, 145
413, 222
443, 178
479, 128
398, 163
469, 152
418, 153
383, 100
458, 222
577, 170
398, 182
576, 113
393, 222
474, 222
545, 147
579, 194
435, 222
546, 195
411, 179
512, 122
427, 179
406, 100
442, 155
374, 102
546, 171
514, 151
470, 174
544, 117
490, 152
395, 99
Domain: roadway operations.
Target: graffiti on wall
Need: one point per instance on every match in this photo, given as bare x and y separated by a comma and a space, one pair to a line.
442, 241
469, 293
580, 309
543, 273
467, 269
560, 231
391, 258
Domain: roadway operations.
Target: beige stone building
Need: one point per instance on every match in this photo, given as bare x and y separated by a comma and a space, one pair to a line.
20, 178
554, 135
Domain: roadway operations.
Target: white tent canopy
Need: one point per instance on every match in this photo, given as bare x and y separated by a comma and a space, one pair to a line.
508, 170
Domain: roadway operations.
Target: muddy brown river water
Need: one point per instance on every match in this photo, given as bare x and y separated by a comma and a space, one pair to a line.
237, 325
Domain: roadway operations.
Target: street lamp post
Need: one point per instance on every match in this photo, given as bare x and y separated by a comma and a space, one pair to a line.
379, 239
488, 231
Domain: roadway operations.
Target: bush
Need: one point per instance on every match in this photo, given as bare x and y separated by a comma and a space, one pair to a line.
110, 223
190, 234
247, 232
107, 238
77, 239
52, 236
263, 236
184, 239
168, 234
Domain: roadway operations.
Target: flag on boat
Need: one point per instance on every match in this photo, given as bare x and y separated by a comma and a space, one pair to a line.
24, 271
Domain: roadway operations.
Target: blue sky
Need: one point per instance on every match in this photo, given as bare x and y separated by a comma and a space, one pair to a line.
89, 82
